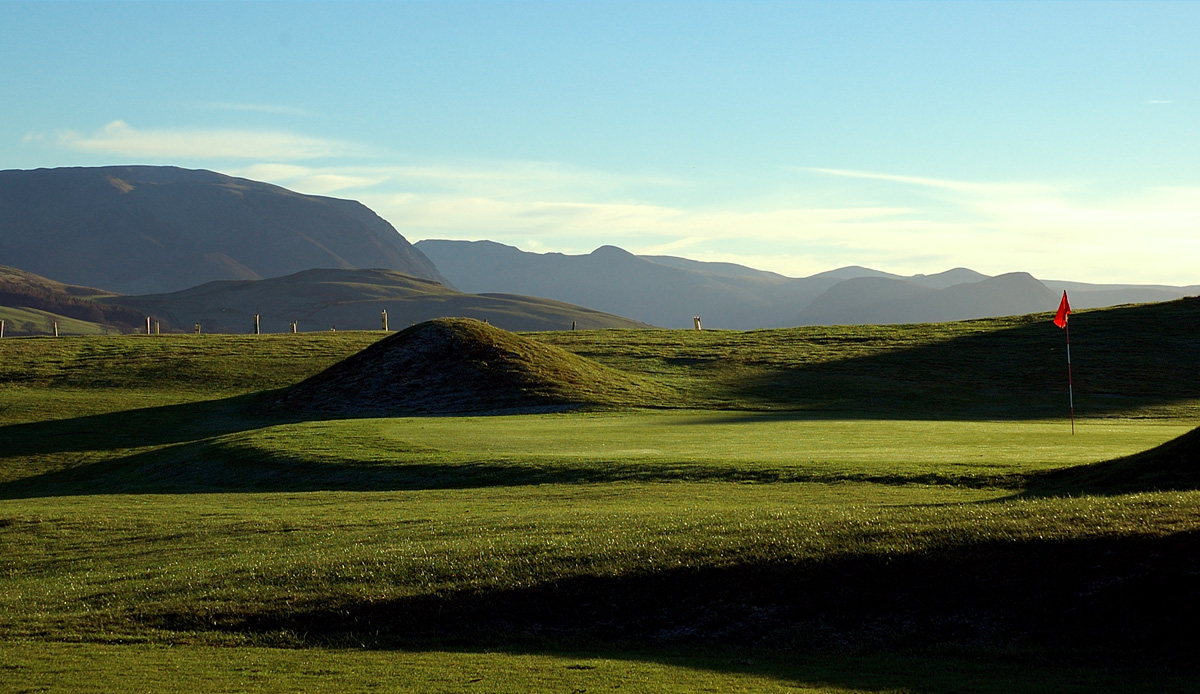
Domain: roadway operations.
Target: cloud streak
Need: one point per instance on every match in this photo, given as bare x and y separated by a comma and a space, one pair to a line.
931, 224
926, 225
120, 138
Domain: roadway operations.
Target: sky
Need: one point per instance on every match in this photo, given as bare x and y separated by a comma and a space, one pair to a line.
1056, 138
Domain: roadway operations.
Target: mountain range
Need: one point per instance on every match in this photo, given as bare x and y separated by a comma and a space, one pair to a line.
668, 291
98, 249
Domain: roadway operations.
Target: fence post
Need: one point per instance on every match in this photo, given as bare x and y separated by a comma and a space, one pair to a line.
385, 320
1, 328
197, 328
56, 328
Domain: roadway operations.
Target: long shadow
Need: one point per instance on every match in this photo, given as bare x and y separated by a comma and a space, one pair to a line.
1123, 358
207, 467
1094, 600
149, 426
1171, 466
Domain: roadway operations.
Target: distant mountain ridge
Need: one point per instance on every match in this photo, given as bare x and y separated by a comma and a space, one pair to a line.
324, 299
668, 291
152, 229
874, 300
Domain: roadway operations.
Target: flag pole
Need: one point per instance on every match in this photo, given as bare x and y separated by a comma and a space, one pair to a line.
1070, 380
1061, 319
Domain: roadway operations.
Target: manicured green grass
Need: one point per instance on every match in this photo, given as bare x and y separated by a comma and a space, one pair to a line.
382, 570
202, 366
75, 667
830, 509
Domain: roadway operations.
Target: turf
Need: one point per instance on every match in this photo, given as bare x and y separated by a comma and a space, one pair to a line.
821, 509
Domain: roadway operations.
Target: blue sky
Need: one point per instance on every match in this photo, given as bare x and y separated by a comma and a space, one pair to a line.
1060, 139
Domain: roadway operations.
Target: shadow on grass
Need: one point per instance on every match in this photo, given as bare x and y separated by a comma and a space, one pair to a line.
1172, 466
1123, 359
211, 466
1094, 599
150, 426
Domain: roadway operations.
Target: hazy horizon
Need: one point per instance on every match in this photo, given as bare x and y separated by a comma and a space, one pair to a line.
795, 137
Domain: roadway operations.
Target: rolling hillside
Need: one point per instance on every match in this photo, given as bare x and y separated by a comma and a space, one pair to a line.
153, 229
328, 299
30, 305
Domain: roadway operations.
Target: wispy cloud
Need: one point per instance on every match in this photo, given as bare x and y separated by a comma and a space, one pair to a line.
1056, 230
970, 187
1052, 230
511, 181
118, 137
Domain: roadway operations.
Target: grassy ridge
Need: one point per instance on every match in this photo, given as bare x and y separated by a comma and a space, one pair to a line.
1134, 359
860, 521
1129, 360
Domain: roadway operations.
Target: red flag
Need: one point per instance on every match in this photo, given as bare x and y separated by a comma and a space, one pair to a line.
1064, 309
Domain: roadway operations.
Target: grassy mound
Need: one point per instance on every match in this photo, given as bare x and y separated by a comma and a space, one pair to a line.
1173, 466
460, 365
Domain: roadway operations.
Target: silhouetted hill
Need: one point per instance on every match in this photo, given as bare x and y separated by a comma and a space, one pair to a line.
875, 300
667, 291
656, 290
149, 229
322, 299
949, 278
1084, 295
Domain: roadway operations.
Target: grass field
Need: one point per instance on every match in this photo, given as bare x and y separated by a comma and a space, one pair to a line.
801, 510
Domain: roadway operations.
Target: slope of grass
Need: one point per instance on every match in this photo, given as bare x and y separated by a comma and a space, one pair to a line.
1172, 465
1133, 360
38, 666
207, 447
31, 321
205, 365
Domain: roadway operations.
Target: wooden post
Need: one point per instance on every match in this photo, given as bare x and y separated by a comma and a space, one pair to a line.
385, 320
197, 328
256, 332
56, 328
293, 327
157, 328
1, 328
572, 325
696, 320
147, 325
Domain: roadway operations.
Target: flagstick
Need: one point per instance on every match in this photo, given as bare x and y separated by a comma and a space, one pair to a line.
1070, 381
